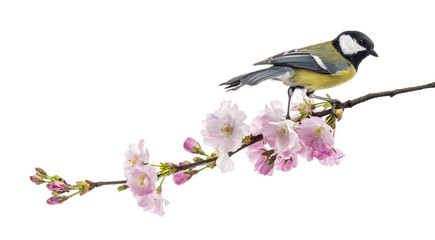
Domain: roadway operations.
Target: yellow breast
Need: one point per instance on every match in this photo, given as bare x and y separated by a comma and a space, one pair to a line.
313, 81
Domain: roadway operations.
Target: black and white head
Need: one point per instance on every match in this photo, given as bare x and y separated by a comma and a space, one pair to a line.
354, 46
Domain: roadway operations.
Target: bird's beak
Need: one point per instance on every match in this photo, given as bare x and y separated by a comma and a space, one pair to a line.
372, 52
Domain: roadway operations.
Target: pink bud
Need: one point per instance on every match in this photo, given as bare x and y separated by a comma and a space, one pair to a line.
58, 186
40, 171
181, 177
56, 200
191, 145
36, 180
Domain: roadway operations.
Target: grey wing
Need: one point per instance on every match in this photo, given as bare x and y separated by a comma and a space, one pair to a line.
297, 59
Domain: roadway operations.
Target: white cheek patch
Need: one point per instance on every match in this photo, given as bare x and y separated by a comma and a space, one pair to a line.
349, 46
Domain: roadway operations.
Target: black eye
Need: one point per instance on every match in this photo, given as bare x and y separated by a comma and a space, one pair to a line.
360, 41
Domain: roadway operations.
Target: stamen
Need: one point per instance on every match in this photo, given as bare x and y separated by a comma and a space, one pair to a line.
283, 132
318, 131
133, 161
142, 179
227, 129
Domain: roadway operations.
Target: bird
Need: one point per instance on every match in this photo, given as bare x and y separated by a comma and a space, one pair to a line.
319, 66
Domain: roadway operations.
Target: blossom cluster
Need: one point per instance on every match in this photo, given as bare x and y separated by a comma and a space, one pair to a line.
283, 142
141, 179
224, 130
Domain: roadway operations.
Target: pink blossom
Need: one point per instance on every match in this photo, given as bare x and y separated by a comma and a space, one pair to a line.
135, 156
277, 131
333, 159
317, 139
181, 177
224, 130
58, 186
264, 167
304, 108
286, 164
142, 180
268, 160
256, 153
153, 202
282, 137
56, 200
274, 113
257, 125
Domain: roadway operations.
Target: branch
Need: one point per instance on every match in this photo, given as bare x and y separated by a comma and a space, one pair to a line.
392, 93
99, 184
254, 139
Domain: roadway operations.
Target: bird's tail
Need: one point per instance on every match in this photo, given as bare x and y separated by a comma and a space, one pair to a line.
254, 78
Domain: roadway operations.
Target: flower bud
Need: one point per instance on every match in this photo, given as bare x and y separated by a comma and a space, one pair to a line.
58, 186
191, 145
36, 180
56, 200
40, 171
182, 177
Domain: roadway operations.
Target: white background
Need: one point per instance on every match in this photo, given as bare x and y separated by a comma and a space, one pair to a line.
80, 80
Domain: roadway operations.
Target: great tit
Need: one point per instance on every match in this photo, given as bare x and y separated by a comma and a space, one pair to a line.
319, 66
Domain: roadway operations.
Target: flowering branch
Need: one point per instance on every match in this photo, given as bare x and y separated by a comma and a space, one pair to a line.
254, 139
391, 93
251, 140
273, 142
346, 104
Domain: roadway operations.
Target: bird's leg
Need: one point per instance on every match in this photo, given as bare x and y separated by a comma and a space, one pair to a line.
331, 101
290, 94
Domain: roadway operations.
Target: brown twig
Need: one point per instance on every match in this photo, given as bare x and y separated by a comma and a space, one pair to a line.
99, 184
392, 93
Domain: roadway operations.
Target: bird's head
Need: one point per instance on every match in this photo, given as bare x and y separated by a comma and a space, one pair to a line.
355, 46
